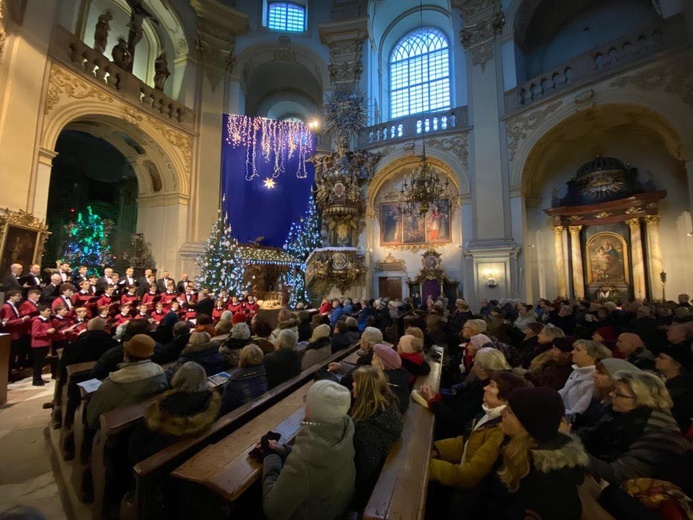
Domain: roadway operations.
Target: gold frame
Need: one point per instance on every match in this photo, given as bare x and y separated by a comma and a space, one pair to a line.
598, 237
24, 221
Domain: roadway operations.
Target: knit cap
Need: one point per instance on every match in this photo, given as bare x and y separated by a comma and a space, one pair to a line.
321, 331
409, 344
680, 353
613, 365
140, 345
539, 409
239, 317
328, 401
388, 355
479, 340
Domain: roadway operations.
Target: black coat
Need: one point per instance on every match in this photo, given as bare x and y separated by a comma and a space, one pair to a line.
10, 281
90, 346
281, 365
681, 392
454, 412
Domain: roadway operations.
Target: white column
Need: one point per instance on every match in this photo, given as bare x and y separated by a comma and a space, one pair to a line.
41, 183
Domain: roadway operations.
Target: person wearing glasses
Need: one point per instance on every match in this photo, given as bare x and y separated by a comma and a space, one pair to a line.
643, 439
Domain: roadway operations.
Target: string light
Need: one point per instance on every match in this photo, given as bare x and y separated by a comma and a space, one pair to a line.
279, 141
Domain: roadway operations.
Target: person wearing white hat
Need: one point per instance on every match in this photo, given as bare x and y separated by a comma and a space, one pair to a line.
315, 478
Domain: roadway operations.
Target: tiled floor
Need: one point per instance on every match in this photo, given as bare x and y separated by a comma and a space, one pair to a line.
26, 476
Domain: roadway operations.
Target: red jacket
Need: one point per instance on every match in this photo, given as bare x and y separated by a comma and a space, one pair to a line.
158, 316
150, 300
39, 333
15, 325
60, 325
167, 298
28, 308
61, 301
120, 319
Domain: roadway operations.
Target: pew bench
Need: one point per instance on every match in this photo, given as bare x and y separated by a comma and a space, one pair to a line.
152, 474
68, 398
400, 492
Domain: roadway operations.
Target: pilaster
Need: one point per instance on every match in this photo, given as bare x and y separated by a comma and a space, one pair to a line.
561, 286
655, 250
576, 259
345, 43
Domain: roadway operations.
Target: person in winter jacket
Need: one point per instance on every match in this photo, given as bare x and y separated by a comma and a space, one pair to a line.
578, 390
675, 362
188, 409
285, 320
557, 368
284, 363
410, 350
386, 359
541, 467
633, 349
315, 478
135, 380
247, 382
239, 338
319, 347
378, 424
201, 350
642, 439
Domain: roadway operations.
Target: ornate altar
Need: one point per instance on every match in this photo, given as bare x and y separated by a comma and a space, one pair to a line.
432, 280
609, 216
334, 267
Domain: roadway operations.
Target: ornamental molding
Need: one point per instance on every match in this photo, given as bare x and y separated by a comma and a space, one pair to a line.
520, 127
471, 8
674, 77
458, 145
61, 83
483, 22
284, 52
344, 41
390, 263
180, 140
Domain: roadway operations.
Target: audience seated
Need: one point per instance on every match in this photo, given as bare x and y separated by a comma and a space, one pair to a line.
247, 382
204, 324
89, 346
378, 424
285, 320
305, 329
410, 349
557, 367
315, 477
643, 439
136, 379
343, 336
284, 363
634, 351
239, 338
188, 409
319, 347
261, 331
455, 411
577, 392
675, 363
201, 350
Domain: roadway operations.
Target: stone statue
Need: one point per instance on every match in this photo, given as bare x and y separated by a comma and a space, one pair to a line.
161, 72
121, 56
137, 17
103, 27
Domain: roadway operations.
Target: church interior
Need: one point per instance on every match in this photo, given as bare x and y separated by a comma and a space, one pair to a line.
431, 162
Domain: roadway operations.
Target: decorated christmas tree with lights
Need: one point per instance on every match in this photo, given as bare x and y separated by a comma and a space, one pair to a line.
88, 241
303, 238
221, 266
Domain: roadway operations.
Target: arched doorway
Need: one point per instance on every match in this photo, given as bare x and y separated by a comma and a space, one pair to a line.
91, 172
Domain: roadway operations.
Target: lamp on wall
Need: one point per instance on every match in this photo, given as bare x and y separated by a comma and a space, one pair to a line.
425, 187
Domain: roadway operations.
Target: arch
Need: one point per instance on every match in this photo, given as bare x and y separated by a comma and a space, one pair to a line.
667, 119
404, 161
168, 148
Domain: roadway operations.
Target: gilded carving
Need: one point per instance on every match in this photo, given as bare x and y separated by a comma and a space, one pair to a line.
390, 263
633, 223
674, 77
602, 214
520, 127
459, 145
180, 140
28, 221
61, 82
558, 230
3, 33
574, 230
652, 219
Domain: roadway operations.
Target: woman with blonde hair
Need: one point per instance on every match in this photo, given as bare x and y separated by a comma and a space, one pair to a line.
378, 424
542, 467
643, 439
247, 382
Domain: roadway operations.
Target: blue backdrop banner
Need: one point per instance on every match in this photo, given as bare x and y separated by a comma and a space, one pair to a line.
265, 180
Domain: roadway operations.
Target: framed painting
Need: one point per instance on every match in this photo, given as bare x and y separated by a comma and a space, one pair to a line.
390, 224
607, 259
22, 237
438, 223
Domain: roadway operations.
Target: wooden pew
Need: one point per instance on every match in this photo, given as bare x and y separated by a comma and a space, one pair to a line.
83, 436
225, 468
400, 492
69, 400
152, 473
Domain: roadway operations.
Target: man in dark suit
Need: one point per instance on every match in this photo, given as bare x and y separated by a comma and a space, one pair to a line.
143, 283
11, 279
104, 281
52, 290
183, 284
161, 282
205, 304
33, 279
80, 276
65, 272
128, 279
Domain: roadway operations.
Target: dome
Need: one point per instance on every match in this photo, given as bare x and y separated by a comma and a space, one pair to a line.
601, 164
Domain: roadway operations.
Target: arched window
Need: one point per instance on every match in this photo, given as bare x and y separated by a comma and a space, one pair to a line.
420, 73
286, 16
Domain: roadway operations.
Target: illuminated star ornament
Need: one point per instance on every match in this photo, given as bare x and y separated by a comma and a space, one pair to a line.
269, 183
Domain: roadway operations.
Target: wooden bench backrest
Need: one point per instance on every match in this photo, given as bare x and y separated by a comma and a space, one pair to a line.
400, 492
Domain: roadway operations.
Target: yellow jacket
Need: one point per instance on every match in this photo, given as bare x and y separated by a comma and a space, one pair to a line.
482, 451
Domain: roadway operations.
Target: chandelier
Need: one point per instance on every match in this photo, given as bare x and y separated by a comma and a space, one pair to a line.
424, 189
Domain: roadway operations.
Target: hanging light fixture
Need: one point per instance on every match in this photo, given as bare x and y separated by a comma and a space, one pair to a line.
425, 188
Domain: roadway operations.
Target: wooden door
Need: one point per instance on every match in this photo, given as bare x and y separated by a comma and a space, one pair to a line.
390, 286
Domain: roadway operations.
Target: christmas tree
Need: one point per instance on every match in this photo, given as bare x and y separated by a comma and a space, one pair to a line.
139, 254
303, 238
88, 241
221, 266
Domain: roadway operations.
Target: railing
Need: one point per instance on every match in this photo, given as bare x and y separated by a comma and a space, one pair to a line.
407, 128
599, 62
74, 52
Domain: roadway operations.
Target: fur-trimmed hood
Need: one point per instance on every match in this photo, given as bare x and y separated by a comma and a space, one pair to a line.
181, 414
288, 324
565, 453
